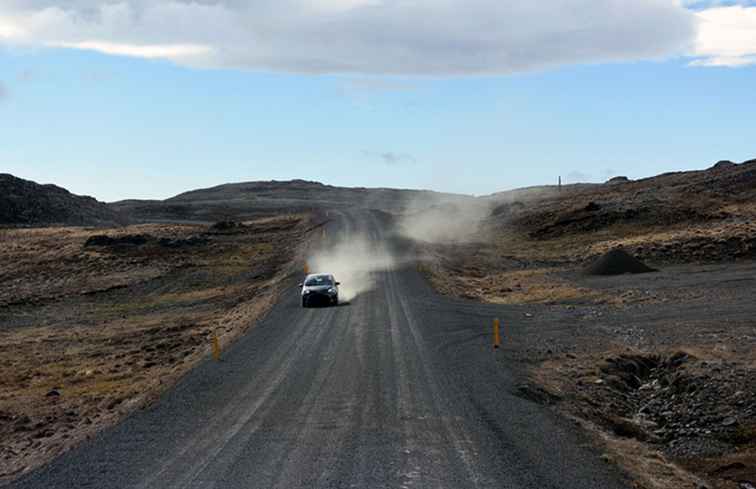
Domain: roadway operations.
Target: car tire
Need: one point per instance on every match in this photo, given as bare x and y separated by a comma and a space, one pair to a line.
335, 301
304, 302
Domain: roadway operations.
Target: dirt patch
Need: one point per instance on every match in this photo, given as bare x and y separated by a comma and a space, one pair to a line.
96, 324
529, 286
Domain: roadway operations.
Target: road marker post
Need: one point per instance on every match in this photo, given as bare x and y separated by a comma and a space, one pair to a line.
216, 348
306, 268
496, 334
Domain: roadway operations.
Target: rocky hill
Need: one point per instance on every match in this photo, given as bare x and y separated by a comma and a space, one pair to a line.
726, 192
527, 236
250, 199
26, 203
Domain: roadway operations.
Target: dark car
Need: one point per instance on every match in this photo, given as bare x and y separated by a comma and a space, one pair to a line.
320, 289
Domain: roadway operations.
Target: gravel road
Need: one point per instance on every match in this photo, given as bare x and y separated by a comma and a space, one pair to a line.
398, 388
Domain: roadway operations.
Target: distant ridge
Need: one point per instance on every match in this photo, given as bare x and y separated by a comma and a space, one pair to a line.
249, 199
725, 191
26, 203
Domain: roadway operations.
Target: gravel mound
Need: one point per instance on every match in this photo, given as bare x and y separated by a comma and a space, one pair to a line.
617, 262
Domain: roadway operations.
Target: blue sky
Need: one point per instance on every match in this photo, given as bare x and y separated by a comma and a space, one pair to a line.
140, 126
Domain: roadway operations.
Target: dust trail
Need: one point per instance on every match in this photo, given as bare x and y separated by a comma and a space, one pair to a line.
352, 260
457, 220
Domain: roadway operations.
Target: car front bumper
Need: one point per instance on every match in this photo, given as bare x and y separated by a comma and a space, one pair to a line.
315, 298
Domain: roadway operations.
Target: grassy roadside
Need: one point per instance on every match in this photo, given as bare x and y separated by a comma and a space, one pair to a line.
91, 330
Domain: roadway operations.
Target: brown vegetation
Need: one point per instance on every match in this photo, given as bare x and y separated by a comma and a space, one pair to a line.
95, 323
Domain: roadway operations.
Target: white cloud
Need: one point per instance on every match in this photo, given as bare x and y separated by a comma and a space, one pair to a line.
726, 36
408, 37
150, 51
405, 37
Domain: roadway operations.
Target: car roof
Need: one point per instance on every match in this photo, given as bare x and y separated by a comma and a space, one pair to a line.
314, 275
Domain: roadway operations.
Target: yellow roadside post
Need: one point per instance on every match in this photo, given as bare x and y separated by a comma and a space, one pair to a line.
216, 348
306, 268
496, 335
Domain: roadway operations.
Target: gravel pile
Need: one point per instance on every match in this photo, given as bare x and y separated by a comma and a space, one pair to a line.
692, 408
617, 262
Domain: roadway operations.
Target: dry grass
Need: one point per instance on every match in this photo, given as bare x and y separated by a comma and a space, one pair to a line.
531, 286
87, 334
513, 268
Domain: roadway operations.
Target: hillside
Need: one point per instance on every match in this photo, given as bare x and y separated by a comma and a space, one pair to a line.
724, 192
251, 199
633, 302
684, 217
26, 203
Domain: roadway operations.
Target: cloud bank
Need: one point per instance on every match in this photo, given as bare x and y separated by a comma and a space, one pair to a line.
727, 36
378, 37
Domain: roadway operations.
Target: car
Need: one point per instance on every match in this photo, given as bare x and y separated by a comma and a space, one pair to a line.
320, 289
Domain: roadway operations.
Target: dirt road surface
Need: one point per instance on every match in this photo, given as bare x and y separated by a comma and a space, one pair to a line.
398, 388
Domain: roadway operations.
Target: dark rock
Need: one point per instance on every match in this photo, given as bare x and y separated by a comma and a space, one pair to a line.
627, 428
723, 165
113, 404
591, 207
616, 180
182, 243
227, 226
720, 471
26, 203
729, 421
126, 240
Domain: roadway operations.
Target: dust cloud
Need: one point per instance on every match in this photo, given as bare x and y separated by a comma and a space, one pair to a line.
458, 220
352, 260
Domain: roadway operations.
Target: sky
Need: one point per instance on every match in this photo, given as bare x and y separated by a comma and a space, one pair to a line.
149, 98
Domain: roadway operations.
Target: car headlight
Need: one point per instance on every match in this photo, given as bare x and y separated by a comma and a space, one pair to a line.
332, 290
306, 291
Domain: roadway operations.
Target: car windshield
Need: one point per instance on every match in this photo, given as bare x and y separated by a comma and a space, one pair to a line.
319, 280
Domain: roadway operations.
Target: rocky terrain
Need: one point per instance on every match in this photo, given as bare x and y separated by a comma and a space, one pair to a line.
660, 366
26, 203
665, 379
527, 237
97, 322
